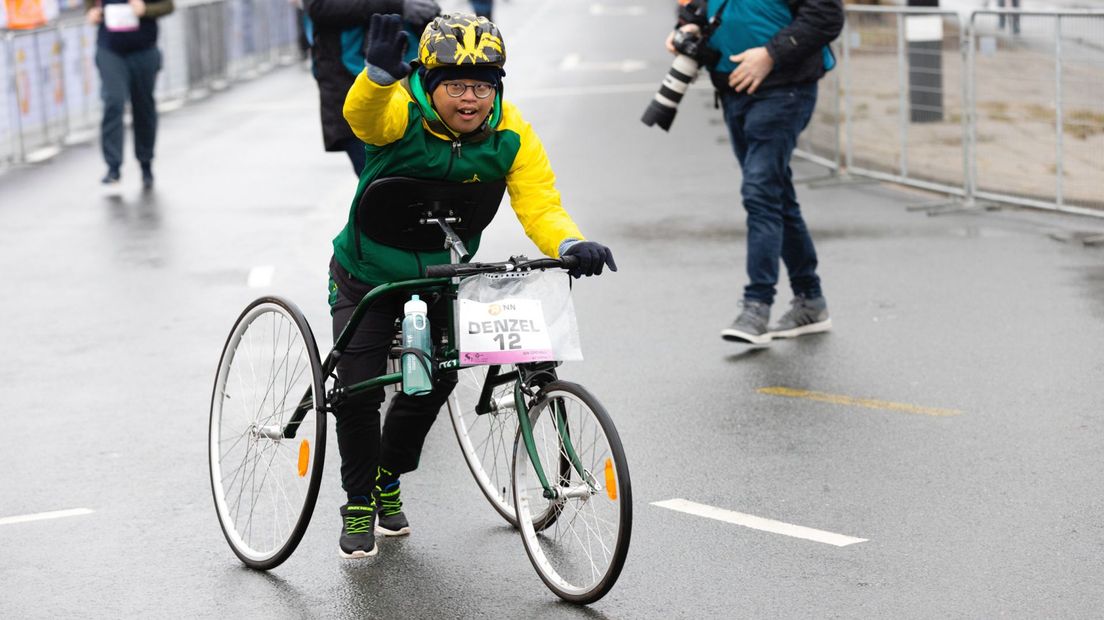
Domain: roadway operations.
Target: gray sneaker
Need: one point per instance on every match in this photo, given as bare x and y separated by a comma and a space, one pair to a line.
751, 325
805, 316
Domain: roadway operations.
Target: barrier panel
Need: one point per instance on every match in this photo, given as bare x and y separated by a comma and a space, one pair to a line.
1008, 109
9, 133
81, 80
904, 97
820, 142
50, 87
1038, 97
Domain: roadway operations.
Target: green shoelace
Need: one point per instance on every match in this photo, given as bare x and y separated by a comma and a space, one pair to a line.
389, 501
358, 525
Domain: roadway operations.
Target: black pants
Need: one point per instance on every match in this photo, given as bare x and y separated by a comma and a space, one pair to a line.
128, 77
409, 418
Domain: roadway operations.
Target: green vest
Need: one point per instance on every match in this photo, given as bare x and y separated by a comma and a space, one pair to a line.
482, 156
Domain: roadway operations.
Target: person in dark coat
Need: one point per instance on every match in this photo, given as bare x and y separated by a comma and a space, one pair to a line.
337, 30
128, 60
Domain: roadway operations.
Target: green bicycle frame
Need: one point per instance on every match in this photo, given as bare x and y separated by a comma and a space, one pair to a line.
449, 363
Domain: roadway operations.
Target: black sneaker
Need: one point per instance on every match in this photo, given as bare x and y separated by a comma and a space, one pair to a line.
390, 521
357, 538
111, 185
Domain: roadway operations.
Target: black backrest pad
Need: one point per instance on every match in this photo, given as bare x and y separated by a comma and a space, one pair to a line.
391, 209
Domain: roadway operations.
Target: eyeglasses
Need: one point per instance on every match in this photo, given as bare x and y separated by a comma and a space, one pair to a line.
481, 90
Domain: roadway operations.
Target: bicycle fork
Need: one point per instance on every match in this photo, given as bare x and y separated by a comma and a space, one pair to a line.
559, 420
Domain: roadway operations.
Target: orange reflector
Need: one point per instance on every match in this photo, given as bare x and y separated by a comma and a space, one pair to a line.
304, 457
611, 481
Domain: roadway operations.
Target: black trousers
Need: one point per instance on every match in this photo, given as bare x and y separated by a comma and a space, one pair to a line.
128, 78
359, 439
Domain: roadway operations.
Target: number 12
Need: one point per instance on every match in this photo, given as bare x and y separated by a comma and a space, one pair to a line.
515, 341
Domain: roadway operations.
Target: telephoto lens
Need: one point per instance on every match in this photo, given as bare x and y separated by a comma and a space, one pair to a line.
661, 110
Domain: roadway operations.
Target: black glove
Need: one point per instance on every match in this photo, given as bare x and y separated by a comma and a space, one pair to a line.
386, 45
592, 256
420, 12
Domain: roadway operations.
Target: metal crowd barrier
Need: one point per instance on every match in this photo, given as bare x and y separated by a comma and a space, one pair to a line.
49, 85
1008, 110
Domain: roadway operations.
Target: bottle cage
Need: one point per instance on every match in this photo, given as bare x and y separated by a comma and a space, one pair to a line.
393, 211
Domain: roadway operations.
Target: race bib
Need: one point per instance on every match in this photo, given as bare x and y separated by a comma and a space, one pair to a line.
119, 17
508, 331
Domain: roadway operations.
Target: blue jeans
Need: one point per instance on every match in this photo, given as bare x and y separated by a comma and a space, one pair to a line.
764, 129
128, 78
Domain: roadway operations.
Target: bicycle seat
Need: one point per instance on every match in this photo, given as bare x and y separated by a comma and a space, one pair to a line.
393, 210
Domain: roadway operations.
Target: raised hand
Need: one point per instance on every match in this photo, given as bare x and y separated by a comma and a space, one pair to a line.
386, 45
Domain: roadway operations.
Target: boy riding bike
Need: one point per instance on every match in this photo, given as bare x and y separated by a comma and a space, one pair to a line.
442, 118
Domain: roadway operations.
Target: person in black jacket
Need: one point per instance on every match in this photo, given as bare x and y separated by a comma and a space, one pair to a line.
337, 29
128, 60
772, 52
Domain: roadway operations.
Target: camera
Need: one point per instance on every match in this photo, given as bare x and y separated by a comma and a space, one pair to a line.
693, 53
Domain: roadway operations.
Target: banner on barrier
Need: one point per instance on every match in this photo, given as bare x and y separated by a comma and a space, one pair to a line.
52, 75
28, 86
7, 108
81, 79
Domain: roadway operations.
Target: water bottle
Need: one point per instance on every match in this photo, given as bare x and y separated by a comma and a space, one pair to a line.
416, 377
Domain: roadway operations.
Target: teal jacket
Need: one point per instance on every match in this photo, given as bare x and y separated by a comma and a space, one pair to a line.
790, 36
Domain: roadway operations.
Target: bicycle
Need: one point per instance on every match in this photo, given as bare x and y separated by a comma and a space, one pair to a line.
568, 489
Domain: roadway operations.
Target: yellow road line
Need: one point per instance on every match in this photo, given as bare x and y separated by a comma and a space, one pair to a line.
870, 403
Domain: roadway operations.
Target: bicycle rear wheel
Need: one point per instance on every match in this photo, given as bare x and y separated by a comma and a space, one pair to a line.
487, 439
265, 470
580, 552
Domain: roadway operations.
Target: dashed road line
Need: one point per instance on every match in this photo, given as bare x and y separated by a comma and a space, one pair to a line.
758, 523
869, 403
41, 516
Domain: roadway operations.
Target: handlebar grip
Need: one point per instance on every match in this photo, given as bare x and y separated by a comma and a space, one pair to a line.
441, 271
569, 262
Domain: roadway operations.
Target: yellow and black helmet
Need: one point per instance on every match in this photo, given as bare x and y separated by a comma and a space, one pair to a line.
461, 40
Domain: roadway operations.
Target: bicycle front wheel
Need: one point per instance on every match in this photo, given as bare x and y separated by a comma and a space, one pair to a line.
267, 437
580, 552
486, 440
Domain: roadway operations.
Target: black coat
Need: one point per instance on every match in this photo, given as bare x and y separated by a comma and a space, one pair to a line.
330, 17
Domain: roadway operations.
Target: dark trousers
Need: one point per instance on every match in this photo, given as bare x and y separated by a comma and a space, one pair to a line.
1013, 19
763, 128
128, 77
409, 418
357, 155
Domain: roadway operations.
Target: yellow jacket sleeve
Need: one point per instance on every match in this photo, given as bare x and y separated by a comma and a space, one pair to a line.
532, 187
378, 115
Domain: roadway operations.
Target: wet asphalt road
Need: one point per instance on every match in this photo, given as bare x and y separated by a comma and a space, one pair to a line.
114, 314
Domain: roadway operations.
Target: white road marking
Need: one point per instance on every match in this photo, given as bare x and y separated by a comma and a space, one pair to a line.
57, 514
617, 11
261, 276
758, 523
575, 62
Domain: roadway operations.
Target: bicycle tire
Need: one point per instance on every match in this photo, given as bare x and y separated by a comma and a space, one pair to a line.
264, 484
486, 440
579, 553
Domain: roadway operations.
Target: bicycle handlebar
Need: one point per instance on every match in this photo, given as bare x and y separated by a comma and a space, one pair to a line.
517, 263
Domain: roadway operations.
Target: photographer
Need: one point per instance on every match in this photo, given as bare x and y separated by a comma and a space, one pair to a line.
771, 54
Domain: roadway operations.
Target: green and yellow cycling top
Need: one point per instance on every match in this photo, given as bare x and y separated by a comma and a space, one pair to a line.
406, 138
